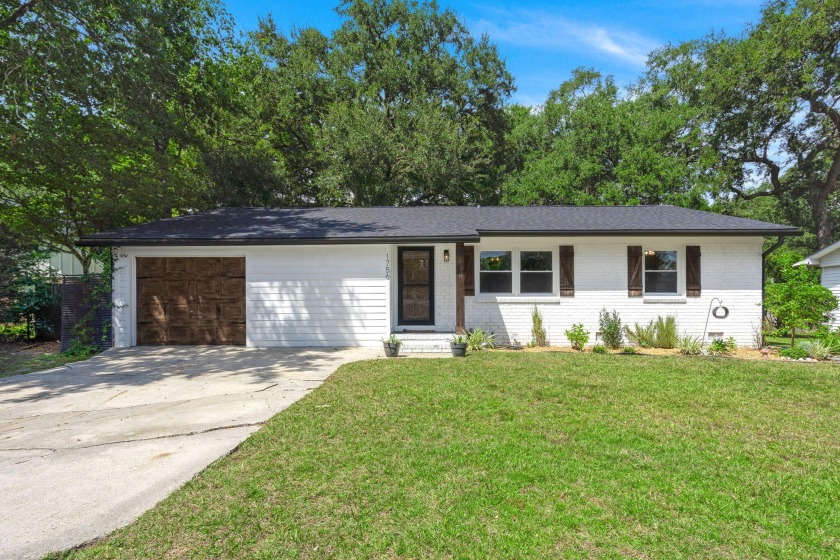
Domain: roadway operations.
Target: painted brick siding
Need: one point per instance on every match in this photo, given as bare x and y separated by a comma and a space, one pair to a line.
831, 280
121, 318
731, 271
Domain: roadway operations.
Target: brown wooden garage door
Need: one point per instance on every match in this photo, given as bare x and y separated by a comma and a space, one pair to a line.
195, 300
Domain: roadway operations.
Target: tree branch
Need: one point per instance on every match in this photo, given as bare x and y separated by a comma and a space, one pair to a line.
17, 14
820, 106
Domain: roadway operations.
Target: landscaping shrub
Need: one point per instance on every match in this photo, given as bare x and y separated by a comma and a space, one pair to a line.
479, 339
629, 350
537, 329
666, 332
612, 332
642, 336
817, 349
600, 349
690, 345
794, 353
578, 336
722, 346
13, 332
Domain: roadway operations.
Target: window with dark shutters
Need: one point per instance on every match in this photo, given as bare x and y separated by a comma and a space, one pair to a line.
469, 270
634, 270
567, 270
692, 271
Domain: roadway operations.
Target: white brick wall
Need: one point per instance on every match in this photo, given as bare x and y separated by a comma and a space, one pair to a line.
831, 280
730, 268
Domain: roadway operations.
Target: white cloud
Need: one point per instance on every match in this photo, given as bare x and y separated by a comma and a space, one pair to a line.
552, 31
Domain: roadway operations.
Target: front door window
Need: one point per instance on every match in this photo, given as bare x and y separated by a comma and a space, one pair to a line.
416, 286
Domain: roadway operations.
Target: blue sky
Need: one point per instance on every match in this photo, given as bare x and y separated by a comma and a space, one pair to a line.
543, 42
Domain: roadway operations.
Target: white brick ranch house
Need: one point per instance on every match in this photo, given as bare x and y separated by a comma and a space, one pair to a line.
352, 276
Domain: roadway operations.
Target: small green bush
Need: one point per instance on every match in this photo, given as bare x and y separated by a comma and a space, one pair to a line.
794, 353
817, 349
629, 350
642, 336
578, 336
14, 332
600, 349
722, 346
612, 333
537, 329
690, 345
459, 339
479, 339
666, 332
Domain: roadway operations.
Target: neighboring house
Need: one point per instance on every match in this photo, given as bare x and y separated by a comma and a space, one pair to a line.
66, 264
351, 276
828, 259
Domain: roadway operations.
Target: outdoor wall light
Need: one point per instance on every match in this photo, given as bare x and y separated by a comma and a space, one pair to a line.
446, 255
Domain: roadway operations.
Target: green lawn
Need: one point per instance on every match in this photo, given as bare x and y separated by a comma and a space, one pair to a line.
26, 357
524, 455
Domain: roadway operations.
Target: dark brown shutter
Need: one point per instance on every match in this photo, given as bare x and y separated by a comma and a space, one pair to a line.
692, 271
567, 270
634, 271
469, 270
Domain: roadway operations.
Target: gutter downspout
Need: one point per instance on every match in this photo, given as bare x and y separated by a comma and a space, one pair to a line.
764, 255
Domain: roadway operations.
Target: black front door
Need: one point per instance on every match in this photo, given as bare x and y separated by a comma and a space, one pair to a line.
416, 285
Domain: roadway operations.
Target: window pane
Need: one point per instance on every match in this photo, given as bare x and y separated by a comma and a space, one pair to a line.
535, 260
496, 282
536, 282
660, 282
495, 260
660, 260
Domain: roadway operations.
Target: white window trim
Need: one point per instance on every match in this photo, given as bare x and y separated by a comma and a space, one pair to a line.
680, 272
516, 266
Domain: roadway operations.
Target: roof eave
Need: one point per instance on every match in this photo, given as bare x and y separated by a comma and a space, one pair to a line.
232, 241
614, 232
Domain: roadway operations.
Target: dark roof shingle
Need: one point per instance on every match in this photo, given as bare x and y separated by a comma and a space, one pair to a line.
240, 226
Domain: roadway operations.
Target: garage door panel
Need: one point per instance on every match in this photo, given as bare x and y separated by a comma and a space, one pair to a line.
149, 288
233, 286
180, 266
151, 310
208, 266
233, 267
150, 267
178, 313
190, 300
232, 331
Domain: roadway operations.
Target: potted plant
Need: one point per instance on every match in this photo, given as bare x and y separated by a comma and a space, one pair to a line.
458, 345
392, 346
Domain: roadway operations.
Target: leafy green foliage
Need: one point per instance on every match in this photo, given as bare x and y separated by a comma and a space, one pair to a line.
612, 332
794, 352
765, 104
629, 350
799, 301
666, 332
722, 346
578, 336
642, 335
480, 339
817, 349
538, 335
600, 349
690, 345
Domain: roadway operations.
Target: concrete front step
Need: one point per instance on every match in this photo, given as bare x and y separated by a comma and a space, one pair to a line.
421, 343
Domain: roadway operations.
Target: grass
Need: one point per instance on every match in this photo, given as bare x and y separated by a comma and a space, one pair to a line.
523, 455
25, 357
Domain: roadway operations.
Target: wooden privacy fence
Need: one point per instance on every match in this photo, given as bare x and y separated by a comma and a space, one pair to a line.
86, 311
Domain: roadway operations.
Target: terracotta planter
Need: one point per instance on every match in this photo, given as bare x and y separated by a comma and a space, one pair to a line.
458, 350
392, 349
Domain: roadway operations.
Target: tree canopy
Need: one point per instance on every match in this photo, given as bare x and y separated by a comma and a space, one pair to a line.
120, 111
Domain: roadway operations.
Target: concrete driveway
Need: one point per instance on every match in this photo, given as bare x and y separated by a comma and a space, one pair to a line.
86, 448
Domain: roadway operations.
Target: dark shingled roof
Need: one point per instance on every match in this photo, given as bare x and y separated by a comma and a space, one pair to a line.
242, 226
